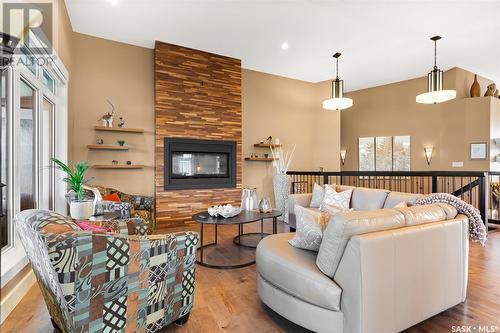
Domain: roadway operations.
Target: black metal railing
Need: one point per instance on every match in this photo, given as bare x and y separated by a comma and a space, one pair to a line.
470, 186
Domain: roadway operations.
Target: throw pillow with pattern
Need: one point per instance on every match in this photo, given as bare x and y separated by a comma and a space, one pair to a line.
318, 194
341, 200
309, 229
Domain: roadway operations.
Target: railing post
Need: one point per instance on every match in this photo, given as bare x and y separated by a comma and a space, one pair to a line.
325, 178
434, 188
483, 198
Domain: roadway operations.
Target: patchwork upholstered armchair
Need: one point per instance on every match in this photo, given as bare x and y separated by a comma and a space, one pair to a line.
139, 205
109, 282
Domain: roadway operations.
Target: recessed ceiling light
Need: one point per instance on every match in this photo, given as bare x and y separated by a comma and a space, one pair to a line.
284, 46
113, 2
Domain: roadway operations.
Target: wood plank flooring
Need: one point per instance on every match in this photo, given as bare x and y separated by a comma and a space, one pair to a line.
226, 300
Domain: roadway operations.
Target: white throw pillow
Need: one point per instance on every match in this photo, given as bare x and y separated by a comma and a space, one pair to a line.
338, 199
317, 196
309, 229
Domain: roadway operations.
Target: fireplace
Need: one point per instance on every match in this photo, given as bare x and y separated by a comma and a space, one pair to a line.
192, 164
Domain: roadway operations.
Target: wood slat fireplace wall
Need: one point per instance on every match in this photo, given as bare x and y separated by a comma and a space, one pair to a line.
198, 96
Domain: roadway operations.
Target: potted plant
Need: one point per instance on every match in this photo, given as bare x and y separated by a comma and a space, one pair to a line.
80, 208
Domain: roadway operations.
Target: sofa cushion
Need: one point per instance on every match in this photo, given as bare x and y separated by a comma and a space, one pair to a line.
428, 213
295, 272
395, 198
344, 225
368, 198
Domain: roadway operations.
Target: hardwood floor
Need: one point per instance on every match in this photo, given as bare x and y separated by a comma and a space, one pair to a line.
226, 300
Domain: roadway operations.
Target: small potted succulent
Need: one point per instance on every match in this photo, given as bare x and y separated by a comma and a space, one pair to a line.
80, 208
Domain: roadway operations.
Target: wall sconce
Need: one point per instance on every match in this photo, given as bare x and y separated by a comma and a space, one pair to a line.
343, 153
428, 154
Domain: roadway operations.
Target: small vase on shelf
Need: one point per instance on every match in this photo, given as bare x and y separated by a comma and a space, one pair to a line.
475, 89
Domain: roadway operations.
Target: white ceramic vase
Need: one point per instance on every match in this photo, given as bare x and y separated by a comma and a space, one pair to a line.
81, 209
281, 185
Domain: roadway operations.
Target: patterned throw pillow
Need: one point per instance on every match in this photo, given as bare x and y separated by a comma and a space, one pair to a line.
327, 211
317, 196
338, 199
309, 229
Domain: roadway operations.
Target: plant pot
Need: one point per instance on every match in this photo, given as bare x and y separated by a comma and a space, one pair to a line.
81, 209
281, 185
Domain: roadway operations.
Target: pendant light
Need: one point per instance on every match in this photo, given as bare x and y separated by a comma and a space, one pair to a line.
338, 101
435, 93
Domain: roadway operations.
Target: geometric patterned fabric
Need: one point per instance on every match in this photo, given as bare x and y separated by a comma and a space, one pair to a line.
141, 206
106, 282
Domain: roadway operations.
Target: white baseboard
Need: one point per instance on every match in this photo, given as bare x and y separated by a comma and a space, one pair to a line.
14, 296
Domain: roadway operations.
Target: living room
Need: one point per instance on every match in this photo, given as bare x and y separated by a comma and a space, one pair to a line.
250, 166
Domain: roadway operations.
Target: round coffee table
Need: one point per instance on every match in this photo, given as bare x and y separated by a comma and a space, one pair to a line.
240, 219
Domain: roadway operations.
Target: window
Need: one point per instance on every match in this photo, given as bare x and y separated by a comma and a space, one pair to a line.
384, 153
4, 234
26, 148
29, 127
46, 154
48, 81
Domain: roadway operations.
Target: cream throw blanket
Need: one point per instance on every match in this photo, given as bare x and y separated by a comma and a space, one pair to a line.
477, 229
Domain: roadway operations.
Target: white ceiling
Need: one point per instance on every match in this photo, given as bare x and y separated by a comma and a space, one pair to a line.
381, 41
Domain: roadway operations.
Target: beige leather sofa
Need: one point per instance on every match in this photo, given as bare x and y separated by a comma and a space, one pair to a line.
379, 281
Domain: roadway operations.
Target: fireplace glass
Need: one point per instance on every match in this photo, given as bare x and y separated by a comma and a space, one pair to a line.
199, 165
194, 163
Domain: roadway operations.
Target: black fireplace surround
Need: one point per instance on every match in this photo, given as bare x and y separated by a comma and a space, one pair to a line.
193, 164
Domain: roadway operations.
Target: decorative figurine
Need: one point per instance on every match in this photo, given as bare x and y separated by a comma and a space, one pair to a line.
129, 162
121, 143
100, 141
121, 122
114, 162
269, 140
107, 119
491, 90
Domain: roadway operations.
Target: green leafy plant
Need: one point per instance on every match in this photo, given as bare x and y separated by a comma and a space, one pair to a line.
74, 177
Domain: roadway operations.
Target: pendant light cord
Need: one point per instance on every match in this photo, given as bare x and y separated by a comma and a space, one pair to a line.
337, 68
435, 54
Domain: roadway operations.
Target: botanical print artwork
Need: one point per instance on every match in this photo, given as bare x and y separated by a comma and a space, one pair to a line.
367, 154
385, 153
401, 153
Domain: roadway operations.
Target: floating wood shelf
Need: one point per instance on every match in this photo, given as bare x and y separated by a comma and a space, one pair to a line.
118, 129
118, 166
259, 159
107, 147
266, 145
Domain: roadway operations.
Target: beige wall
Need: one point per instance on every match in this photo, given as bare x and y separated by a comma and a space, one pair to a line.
122, 73
449, 127
63, 34
289, 110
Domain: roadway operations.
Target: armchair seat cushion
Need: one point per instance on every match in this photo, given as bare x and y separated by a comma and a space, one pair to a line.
295, 272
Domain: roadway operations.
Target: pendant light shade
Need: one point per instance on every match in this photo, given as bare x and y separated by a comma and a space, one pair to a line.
435, 93
338, 101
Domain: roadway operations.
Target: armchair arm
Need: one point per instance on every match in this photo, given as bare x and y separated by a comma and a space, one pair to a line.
124, 281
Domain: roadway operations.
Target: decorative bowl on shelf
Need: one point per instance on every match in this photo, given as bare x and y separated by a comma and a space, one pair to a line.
225, 211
